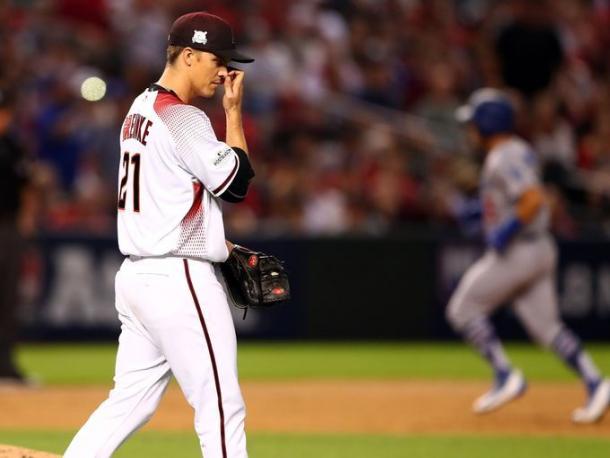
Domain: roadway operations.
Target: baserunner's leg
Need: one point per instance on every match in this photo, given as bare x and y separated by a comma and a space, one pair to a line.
488, 284
538, 311
481, 290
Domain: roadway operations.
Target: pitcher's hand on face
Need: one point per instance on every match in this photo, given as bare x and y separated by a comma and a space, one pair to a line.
234, 89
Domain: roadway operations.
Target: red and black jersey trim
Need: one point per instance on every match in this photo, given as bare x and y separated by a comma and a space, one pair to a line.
165, 98
212, 357
157, 87
229, 178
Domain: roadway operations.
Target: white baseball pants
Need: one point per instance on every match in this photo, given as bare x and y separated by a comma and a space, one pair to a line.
175, 319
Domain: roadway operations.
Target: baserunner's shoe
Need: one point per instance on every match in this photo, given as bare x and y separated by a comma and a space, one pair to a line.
502, 393
598, 403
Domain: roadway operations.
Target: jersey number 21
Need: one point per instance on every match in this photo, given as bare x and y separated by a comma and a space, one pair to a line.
134, 160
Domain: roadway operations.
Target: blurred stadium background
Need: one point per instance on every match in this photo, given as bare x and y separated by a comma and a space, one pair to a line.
365, 184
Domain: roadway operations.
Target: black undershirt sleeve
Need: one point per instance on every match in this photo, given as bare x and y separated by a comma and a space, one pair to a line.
237, 190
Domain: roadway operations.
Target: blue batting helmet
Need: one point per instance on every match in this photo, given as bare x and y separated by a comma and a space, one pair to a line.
490, 111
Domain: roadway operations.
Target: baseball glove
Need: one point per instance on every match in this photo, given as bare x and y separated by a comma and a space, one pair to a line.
255, 279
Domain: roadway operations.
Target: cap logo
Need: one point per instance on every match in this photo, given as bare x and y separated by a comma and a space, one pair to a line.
200, 37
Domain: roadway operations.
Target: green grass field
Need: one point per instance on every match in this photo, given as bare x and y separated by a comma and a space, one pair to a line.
93, 364
163, 445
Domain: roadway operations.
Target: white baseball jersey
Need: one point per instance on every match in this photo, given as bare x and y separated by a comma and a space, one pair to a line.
173, 170
510, 169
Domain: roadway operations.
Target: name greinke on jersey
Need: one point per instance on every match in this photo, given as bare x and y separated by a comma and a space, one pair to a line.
136, 126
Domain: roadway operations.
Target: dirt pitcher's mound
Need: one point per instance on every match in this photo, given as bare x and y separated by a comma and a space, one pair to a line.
8, 451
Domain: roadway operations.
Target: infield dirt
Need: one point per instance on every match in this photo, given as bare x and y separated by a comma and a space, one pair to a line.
337, 406
7, 451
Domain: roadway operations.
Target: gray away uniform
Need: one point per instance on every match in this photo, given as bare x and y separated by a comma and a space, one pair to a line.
524, 273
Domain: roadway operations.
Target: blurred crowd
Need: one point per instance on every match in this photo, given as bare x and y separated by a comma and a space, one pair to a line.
349, 105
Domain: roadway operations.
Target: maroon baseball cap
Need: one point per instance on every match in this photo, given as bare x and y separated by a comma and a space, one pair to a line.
206, 32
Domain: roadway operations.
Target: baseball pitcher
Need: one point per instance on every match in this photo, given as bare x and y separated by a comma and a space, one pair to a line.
519, 264
174, 314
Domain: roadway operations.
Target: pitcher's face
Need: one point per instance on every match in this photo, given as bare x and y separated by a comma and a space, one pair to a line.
207, 72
